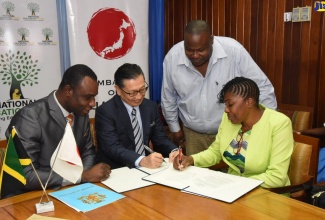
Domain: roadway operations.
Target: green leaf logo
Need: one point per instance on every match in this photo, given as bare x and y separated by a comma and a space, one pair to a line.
18, 70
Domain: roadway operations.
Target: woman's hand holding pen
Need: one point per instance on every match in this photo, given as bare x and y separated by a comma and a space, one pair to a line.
182, 164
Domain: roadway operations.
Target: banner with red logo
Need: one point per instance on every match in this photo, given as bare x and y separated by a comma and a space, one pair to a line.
29, 55
105, 34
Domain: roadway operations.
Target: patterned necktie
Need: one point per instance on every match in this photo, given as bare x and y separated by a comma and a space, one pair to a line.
70, 119
137, 134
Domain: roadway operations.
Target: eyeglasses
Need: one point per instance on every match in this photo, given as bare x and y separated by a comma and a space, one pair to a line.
239, 145
134, 93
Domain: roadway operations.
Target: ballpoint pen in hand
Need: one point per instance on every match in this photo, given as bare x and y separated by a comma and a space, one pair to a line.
151, 151
180, 154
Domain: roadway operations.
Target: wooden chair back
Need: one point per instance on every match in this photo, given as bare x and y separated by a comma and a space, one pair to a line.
299, 170
302, 117
315, 143
303, 168
317, 133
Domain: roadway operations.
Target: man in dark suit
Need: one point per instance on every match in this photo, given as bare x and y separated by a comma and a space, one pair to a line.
41, 124
114, 124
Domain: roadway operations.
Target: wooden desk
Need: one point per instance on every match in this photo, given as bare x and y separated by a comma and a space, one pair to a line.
281, 207
160, 202
258, 204
178, 205
23, 206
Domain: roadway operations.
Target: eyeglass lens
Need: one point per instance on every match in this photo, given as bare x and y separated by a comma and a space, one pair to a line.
141, 91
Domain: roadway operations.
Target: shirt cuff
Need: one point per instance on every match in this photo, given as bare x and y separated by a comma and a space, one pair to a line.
137, 162
174, 127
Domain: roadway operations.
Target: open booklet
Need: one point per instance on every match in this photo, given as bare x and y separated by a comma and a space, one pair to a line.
125, 179
120, 180
205, 182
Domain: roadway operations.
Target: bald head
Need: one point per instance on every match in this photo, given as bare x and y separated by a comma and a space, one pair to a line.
197, 27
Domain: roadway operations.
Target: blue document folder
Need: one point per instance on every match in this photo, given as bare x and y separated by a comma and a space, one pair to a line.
86, 197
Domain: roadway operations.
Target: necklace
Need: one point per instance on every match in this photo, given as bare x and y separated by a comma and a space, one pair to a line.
239, 145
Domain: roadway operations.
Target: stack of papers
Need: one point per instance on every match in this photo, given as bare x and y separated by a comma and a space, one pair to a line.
205, 182
86, 197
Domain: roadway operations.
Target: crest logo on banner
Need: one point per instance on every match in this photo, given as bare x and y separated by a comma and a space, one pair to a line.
33, 8
9, 7
47, 33
111, 33
23, 32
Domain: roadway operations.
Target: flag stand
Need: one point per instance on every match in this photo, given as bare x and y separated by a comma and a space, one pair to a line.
41, 207
44, 207
48, 206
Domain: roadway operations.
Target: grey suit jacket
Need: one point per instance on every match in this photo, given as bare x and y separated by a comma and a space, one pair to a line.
40, 127
115, 133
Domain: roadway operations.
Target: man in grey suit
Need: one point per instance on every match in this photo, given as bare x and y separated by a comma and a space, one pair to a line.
41, 124
114, 129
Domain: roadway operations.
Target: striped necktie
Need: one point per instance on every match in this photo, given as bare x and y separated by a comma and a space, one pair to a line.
137, 133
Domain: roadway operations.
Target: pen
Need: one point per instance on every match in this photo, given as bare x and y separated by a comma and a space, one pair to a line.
151, 151
180, 154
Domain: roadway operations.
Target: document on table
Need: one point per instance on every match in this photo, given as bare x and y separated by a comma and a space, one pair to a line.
41, 217
205, 182
173, 178
125, 179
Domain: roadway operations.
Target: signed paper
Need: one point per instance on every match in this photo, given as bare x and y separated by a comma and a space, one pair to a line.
205, 182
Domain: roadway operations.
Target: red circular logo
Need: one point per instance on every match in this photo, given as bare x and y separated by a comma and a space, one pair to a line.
111, 34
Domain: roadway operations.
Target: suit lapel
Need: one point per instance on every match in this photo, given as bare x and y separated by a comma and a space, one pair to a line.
55, 111
145, 118
229, 136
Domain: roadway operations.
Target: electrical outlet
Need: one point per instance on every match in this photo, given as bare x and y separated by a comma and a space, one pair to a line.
296, 14
287, 16
305, 14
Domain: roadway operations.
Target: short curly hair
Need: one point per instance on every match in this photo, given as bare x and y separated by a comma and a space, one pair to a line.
75, 74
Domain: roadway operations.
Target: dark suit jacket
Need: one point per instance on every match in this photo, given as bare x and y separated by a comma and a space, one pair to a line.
115, 133
40, 127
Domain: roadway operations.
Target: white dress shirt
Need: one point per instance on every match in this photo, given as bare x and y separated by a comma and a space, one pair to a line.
194, 98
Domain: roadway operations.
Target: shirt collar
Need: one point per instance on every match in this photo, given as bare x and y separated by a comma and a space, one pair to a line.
218, 51
129, 107
64, 112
